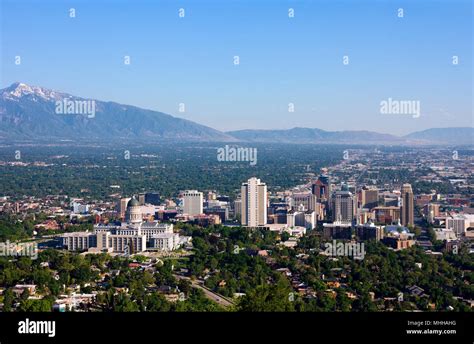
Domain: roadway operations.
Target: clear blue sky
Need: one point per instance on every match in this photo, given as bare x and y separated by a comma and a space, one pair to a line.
282, 60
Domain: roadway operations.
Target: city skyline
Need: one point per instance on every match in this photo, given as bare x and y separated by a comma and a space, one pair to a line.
308, 236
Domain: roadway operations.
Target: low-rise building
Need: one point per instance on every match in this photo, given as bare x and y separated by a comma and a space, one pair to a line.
369, 231
165, 241
398, 237
460, 223
79, 241
337, 230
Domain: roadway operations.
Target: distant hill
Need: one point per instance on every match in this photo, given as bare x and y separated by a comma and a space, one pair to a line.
313, 135
461, 135
30, 112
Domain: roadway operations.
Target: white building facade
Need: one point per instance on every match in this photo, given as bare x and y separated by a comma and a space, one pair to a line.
254, 203
192, 202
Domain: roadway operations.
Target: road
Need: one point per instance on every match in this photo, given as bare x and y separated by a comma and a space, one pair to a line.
219, 299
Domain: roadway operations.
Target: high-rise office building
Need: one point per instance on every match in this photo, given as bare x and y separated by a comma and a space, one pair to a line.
238, 208
321, 188
192, 202
149, 198
431, 211
342, 206
369, 198
386, 215
460, 223
407, 210
211, 196
123, 206
306, 199
152, 198
254, 203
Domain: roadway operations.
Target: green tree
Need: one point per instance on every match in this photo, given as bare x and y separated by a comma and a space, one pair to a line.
278, 297
8, 299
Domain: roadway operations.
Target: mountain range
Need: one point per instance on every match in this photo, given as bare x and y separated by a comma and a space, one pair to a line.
39, 114
437, 136
30, 112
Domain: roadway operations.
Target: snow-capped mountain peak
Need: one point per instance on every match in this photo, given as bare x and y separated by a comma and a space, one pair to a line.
18, 90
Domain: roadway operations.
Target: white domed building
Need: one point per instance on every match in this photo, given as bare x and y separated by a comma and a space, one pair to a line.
135, 235
133, 215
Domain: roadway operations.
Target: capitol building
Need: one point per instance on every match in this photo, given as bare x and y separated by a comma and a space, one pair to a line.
131, 236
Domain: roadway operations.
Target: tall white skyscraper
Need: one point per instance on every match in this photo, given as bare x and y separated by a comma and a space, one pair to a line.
254, 203
192, 202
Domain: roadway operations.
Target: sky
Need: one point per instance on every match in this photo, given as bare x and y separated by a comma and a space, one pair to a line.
283, 60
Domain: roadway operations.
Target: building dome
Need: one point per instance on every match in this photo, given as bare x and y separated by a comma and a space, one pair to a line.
133, 215
133, 202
